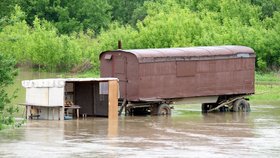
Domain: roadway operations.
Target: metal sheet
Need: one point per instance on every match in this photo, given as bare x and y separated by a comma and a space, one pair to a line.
186, 69
190, 53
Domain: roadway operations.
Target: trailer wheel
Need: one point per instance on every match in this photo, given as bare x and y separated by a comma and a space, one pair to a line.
204, 108
207, 106
164, 109
241, 105
140, 111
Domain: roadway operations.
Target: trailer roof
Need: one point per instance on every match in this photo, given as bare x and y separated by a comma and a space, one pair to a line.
190, 53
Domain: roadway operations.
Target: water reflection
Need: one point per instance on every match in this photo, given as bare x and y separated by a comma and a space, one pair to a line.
226, 117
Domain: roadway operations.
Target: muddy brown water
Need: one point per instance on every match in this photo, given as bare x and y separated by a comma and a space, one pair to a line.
187, 133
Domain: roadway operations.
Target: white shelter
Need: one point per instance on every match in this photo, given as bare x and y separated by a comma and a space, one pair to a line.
85, 96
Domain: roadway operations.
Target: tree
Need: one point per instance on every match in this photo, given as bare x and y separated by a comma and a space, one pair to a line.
123, 11
7, 75
268, 7
7, 7
40, 45
69, 16
14, 36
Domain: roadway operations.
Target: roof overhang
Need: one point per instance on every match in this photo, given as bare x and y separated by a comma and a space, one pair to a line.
60, 82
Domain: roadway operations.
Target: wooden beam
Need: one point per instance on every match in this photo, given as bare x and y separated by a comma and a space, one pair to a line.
113, 100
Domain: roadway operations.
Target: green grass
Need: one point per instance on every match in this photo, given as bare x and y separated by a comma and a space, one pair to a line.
267, 77
89, 74
266, 93
267, 88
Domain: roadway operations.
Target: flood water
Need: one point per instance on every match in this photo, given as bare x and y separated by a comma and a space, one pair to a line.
187, 133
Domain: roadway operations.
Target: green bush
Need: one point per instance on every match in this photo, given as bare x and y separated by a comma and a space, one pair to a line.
7, 74
148, 24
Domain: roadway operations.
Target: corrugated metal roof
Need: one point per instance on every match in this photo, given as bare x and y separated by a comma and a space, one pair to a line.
59, 82
145, 55
191, 51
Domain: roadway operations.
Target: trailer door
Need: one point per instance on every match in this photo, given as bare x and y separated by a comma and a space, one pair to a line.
120, 72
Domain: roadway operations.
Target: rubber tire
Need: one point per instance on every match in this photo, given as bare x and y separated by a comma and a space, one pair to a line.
207, 106
204, 107
164, 109
140, 111
241, 105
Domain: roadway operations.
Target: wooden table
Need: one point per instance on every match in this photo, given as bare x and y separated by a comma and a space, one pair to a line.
73, 107
28, 108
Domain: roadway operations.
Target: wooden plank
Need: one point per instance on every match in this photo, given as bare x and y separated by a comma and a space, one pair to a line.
40, 105
58, 110
113, 100
53, 113
78, 112
28, 108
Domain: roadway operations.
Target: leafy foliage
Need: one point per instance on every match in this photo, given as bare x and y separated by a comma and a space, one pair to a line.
7, 74
60, 34
127, 11
40, 44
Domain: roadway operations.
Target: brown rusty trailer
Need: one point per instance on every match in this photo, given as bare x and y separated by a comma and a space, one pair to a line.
151, 79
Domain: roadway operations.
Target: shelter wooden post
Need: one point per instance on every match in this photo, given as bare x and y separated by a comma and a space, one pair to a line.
113, 100
113, 108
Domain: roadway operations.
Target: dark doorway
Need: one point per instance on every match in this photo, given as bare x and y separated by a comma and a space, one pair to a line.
83, 97
92, 97
100, 95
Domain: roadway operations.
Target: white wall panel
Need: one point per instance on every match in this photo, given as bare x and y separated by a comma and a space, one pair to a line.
56, 96
37, 96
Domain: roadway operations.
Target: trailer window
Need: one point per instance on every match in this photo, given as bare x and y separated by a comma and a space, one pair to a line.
108, 56
103, 88
243, 55
186, 68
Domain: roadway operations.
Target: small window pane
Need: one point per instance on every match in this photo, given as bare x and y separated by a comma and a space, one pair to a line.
108, 56
103, 87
